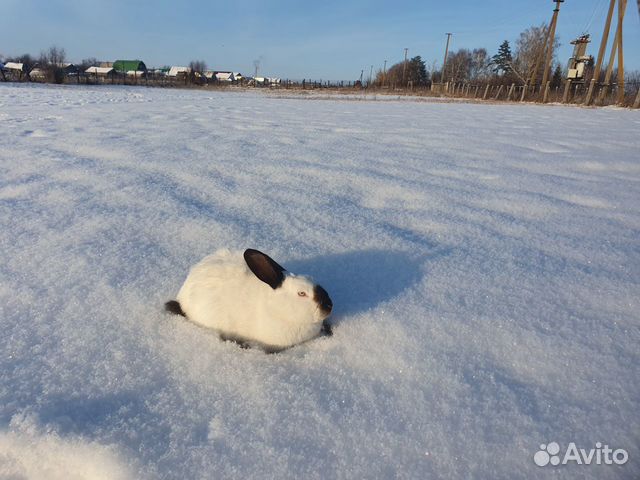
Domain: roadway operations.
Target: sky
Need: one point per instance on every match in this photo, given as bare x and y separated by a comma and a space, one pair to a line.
329, 40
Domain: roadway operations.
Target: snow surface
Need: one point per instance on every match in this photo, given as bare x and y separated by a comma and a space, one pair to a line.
484, 263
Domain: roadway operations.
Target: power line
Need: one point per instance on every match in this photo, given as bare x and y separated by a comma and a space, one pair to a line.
596, 9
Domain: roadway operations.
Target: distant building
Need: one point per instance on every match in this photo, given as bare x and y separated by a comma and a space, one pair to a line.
100, 71
37, 74
16, 67
13, 71
175, 71
121, 66
225, 77
266, 81
69, 68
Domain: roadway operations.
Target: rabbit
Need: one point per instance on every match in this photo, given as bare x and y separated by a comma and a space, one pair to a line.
251, 299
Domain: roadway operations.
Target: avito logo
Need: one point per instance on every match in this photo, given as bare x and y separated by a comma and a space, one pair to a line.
549, 454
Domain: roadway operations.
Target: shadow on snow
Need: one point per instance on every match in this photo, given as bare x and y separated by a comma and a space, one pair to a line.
360, 280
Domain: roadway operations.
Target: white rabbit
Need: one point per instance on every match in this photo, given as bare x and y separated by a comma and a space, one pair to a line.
253, 300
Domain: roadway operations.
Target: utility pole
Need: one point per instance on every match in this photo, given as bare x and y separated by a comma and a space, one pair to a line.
617, 46
622, 6
404, 69
446, 54
384, 74
370, 75
612, 59
551, 39
603, 46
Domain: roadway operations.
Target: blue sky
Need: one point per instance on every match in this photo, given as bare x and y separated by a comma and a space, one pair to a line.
292, 39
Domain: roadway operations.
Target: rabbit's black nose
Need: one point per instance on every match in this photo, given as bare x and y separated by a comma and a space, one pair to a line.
321, 297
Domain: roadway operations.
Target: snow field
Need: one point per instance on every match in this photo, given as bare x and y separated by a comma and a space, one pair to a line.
483, 260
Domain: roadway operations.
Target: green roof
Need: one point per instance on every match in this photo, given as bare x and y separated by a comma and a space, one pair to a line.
126, 65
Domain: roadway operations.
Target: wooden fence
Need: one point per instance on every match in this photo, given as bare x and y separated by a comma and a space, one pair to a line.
569, 93
576, 93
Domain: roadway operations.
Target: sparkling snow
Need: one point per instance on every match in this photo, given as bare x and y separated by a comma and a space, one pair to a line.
484, 262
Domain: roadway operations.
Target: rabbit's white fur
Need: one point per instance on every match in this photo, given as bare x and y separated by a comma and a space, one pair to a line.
222, 293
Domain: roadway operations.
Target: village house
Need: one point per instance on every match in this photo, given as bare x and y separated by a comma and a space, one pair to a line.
13, 70
178, 71
99, 74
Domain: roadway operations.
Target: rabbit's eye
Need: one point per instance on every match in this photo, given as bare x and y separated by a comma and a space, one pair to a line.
302, 294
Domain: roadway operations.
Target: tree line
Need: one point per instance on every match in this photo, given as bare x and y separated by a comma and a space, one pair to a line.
522, 64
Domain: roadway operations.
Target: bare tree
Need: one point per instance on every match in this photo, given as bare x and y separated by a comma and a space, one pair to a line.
89, 62
480, 64
530, 47
196, 71
198, 66
632, 81
57, 56
52, 63
459, 65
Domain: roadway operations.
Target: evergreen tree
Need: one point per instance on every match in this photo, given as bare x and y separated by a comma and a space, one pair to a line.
502, 61
417, 71
556, 79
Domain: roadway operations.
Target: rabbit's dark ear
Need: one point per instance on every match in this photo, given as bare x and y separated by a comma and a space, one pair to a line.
264, 267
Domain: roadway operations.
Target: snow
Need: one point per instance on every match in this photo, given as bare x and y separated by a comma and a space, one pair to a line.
27, 453
483, 260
